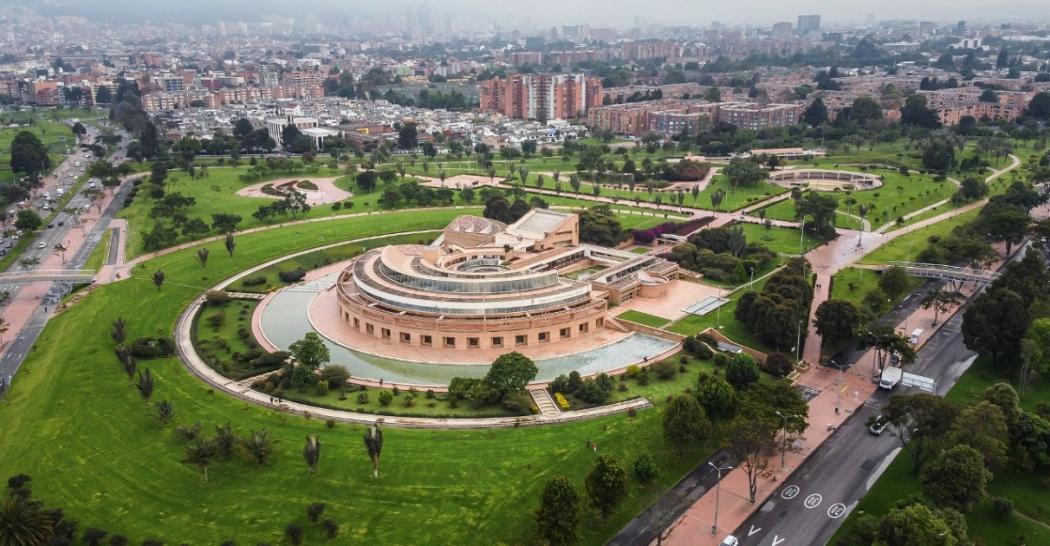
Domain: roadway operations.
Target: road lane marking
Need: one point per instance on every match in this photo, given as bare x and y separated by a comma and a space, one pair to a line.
753, 530
790, 492
813, 500
835, 511
777, 540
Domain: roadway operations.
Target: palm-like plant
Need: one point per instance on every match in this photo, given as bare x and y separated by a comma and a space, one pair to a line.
158, 278
200, 453
144, 384
259, 445
120, 330
165, 411
23, 522
202, 257
312, 452
374, 445
127, 360
231, 243
225, 440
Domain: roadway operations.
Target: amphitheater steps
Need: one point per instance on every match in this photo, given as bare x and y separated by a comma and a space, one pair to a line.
544, 402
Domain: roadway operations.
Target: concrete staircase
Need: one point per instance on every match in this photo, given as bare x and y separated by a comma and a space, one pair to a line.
544, 402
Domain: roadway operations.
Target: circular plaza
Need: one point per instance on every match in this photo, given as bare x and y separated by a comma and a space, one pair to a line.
825, 180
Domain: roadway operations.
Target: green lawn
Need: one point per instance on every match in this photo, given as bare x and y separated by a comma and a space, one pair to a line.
735, 198
644, 319
218, 193
779, 239
95, 450
898, 196
694, 324
98, 256
47, 126
907, 246
219, 342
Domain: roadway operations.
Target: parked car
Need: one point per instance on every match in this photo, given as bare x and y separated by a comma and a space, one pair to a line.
41, 244
730, 540
877, 425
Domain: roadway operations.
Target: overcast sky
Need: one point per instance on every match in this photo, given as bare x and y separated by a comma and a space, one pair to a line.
541, 13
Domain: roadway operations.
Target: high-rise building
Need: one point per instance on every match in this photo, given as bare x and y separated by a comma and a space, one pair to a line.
808, 23
541, 96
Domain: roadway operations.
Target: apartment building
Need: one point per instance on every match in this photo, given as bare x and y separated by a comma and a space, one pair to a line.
541, 96
673, 116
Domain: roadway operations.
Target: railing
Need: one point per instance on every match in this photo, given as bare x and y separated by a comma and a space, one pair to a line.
48, 275
948, 272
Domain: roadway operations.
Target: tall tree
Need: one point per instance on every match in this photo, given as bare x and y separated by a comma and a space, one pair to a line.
606, 485
957, 478
752, 441
230, 243
28, 154
559, 514
685, 422
202, 256
816, 113
312, 452
837, 321
995, 322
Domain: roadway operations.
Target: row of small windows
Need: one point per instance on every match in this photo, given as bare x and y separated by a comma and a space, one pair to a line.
449, 342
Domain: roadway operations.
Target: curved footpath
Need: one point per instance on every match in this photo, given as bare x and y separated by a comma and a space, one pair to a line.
241, 389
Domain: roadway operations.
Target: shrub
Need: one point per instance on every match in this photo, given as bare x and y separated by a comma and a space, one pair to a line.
1002, 506
721, 360
385, 398
778, 364
430, 394
254, 281
270, 360
644, 468
294, 275
459, 388
152, 347
520, 403
216, 297
563, 403
362, 398
665, 369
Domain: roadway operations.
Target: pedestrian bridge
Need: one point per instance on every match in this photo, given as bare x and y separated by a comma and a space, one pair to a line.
76, 276
948, 272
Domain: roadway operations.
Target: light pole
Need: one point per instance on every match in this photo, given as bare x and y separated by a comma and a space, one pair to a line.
801, 236
798, 342
718, 491
752, 285
784, 443
838, 388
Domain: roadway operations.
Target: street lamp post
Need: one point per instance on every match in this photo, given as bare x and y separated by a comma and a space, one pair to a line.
718, 491
752, 285
801, 236
838, 388
798, 342
784, 442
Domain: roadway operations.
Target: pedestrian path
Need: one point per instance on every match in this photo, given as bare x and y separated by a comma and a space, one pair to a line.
544, 402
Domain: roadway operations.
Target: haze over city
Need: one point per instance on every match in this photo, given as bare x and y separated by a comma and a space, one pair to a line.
542, 273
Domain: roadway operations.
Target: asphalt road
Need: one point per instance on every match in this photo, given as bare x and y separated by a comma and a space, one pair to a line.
818, 496
22, 340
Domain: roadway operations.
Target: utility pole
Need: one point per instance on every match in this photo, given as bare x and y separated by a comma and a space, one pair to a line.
718, 491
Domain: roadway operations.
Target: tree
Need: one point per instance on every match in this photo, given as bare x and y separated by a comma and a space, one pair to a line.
606, 485
716, 199
837, 321
310, 351
742, 371
816, 114
24, 523
921, 422
144, 384
914, 525
894, 281
28, 220
915, 112
510, 372
202, 256
374, 445
1003, 59
1004, 222
314, 511
407, 138
941, 301
821, 211
956, 478
200, 453
716, 395
982, 426
225, 223
158, 278
752, 441
165, 411
685, 422
559, 514
994, 323
28, 154
312, 452
865, 111
230, 243
745, 173
366, 181
259, 445
1039, 107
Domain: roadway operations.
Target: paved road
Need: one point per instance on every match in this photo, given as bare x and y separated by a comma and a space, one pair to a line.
23, 339
816, 499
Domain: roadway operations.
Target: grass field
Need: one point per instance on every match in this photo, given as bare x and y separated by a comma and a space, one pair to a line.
779, 239
218, 193
48, 125
735, 198
694, 324
898, 196
907, 246
644, 319
72, 408
98, 256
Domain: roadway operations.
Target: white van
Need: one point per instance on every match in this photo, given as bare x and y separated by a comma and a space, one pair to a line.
914, 337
